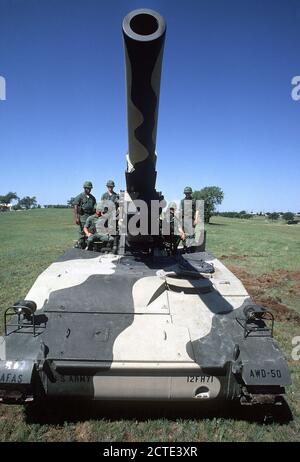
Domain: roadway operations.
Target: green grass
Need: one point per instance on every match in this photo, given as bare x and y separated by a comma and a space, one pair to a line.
268, 246
31, 240
265, 248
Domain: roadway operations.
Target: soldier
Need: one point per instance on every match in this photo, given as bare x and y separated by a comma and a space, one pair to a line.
84, 206
110, 194
190, 217
97, 227
171, 223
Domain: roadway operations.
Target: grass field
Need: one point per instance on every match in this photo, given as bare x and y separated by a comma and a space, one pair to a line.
267, 259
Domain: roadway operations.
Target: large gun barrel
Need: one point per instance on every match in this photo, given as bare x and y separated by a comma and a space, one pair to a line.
144, 34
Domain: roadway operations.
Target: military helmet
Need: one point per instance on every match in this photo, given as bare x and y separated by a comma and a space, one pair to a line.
88, 184
188, 189
173, 205
100, 207
110, 183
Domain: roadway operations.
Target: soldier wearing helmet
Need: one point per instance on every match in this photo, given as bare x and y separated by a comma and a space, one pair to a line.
171, 229
110, 194
188, 191
190, 206
190, 217
84, 206
99, 227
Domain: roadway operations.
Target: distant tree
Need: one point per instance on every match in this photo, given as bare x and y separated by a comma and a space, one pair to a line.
273, 216
241, 214
27, 202
17, 206
287, 216
228, 214
245, 216
7, 198
56, 206
71, 202
212, 196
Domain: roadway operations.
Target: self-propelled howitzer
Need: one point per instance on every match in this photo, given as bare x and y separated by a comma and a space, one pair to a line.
140, 326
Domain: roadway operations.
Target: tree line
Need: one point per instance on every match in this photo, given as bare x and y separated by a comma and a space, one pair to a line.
289, 217
26, 202
242, 214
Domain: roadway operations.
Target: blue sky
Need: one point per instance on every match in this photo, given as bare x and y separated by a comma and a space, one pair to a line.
226, 114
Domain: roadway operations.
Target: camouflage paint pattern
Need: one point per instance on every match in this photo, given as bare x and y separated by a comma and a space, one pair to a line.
143, 60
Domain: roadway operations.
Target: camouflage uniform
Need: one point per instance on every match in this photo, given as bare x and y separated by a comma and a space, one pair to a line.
91, 225
114, 197
111, 197
189, 216
86, 205
170, 221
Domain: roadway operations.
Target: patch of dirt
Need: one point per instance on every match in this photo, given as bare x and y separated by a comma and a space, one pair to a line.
257, 285
280, 311
277, 278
